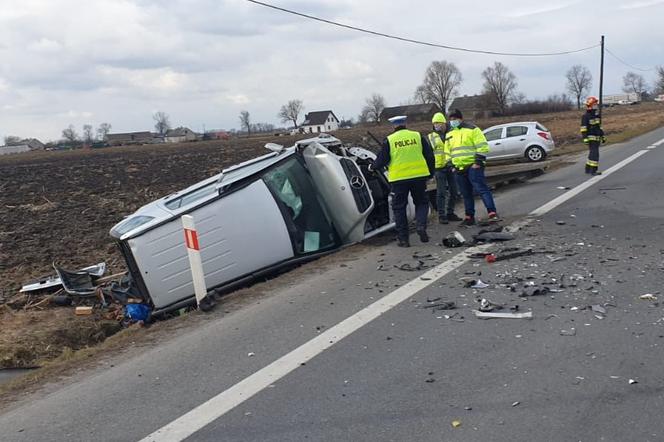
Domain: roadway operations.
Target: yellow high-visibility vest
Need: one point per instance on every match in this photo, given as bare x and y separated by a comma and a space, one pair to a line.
406, 157
440, 149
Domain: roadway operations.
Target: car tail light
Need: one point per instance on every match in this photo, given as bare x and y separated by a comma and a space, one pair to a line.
544, 135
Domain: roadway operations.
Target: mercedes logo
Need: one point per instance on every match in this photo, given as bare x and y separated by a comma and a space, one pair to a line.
356, 182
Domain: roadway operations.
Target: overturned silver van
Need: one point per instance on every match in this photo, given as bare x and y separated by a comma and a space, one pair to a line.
290, 205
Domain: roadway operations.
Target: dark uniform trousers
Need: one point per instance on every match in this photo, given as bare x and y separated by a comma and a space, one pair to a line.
417, 188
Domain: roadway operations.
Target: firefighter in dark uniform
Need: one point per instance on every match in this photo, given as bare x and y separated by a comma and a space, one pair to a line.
593, 135
410, 163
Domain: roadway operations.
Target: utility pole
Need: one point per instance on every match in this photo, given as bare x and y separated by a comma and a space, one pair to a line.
601, 78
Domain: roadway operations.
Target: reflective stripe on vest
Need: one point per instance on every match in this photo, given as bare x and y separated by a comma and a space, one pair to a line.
438, 146
406, 157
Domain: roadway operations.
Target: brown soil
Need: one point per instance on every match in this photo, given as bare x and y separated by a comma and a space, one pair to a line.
59, 207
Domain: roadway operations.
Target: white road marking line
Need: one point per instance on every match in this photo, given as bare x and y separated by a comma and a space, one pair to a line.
214, 408
652, 147
659, 142
583, 186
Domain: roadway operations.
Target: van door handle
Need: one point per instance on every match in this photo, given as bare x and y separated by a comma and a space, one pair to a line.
497, 144
522, 139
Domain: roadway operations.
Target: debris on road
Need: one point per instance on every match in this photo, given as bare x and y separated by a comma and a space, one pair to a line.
479, 284
648, 297
529, 291
488, 306
514, 404
632, 381
491, 315
598, 309
412, 266
454, 239
570, 332
561, 223
494, 237
456, 424
447, 305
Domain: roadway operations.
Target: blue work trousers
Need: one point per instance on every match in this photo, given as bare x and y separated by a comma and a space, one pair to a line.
472, 181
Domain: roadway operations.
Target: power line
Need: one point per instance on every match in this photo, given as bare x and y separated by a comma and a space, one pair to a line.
627, 64
419, 42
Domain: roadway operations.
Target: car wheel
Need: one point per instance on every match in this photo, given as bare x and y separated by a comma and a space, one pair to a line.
535, 153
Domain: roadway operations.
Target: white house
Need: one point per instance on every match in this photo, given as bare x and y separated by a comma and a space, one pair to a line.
180, 135
320, 121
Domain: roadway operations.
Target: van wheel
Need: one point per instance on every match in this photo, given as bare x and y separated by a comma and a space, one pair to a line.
535, 153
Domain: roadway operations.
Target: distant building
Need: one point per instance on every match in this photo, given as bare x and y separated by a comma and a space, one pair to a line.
19, 148
320, 121
216, 135
474, 106
129, 138
33, 143
180, 135
414, 112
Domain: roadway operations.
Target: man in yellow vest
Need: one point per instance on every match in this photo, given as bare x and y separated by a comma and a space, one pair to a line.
410, 163
468, 148
446, 188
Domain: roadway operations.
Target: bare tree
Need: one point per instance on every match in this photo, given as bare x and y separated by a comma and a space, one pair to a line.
103, 131
500, 85
162, 122
291, 111
245, 121
88, 134
659, 81
69, 134
633, 82
579, 82
441, 81
420, 96
372, 109
12, 140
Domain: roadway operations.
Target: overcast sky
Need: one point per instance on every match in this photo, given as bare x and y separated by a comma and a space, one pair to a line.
203, 61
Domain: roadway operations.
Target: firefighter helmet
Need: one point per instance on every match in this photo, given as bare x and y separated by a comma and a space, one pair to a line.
438, 117
591, 101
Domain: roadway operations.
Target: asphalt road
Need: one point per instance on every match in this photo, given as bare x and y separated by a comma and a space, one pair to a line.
412, 371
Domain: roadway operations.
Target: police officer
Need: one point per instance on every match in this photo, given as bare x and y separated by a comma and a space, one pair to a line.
592, 133
446, 187
468, 148
410, 163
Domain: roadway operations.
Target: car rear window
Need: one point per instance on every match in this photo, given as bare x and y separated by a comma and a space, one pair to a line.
542, 128
515, 131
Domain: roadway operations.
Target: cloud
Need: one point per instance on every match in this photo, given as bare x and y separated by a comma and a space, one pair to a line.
642, 4
203, 61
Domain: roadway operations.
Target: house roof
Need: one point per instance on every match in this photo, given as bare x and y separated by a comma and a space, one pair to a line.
178, 132
129, 135
317, 118
413, 109
471, 103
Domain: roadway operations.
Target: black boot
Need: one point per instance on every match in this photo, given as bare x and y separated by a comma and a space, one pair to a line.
453, 217
403, 242
423, 235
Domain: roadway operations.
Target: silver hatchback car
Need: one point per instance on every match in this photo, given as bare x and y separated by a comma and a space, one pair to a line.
529, 140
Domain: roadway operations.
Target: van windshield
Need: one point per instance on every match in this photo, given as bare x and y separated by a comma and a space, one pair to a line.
310, 228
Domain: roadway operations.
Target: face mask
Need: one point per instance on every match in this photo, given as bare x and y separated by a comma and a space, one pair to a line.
455, 123
439, 127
